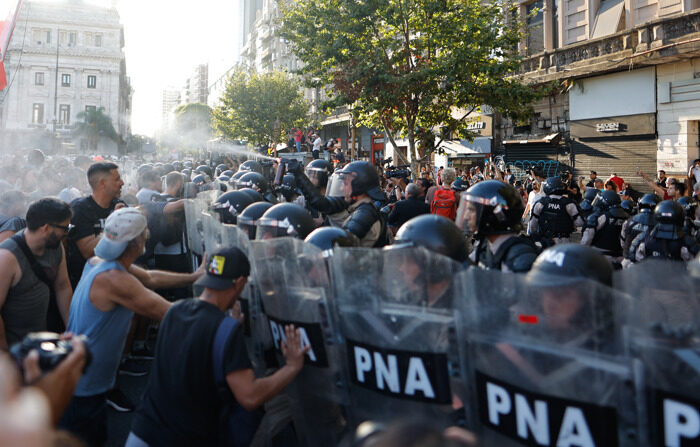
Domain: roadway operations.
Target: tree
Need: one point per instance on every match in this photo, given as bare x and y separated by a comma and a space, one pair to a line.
407, 66
259, 107
94, 124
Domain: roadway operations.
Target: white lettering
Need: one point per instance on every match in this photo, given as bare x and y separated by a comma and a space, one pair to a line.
553, 257
417, 379
306, 342
363, 363
537, 423
680, 421
388, 374
498, 402
275, 334
574, 430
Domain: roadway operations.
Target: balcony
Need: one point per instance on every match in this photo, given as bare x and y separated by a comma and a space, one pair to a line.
656, 42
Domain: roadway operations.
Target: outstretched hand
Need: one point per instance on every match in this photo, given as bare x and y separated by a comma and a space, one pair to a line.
291, 348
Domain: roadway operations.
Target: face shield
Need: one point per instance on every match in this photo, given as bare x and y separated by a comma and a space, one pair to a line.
268, 228
469, 213
336, 186
318, 176
248, 226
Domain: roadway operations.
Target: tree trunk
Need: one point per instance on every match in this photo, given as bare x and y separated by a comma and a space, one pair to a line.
415, 158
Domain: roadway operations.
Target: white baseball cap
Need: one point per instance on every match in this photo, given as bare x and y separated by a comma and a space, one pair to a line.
121, 227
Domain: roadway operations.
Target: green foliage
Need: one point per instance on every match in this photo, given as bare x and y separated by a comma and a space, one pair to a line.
259, 108
94, 124
192, 117
405, 65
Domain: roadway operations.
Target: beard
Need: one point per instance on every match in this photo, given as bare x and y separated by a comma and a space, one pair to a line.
53, 242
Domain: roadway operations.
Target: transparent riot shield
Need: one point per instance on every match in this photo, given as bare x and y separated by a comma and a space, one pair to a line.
194, 211
545, 363
284, 267
663, 336
397, 334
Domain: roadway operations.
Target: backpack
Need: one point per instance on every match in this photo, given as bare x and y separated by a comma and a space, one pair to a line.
444, 203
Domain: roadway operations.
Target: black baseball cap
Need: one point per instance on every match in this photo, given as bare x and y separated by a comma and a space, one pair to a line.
224, 267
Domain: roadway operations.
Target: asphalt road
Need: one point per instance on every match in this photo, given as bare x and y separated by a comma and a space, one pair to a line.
119, 424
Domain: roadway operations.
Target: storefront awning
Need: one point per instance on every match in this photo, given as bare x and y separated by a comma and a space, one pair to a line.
480, 147
549, 139
336, 119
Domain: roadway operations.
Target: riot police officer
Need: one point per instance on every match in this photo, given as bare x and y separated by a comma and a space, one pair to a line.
350, 199
586, 205
690, 206
604, 226
230, 205
555, 216
491, 210
667, 239
639, 223
248, 219
436, 233
284, 220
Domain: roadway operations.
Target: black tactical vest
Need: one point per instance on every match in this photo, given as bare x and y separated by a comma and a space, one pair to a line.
608, 237
554, 220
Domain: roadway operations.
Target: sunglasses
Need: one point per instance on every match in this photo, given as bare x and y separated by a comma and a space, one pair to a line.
66, 228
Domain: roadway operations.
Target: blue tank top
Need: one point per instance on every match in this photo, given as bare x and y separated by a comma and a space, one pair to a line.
106, 332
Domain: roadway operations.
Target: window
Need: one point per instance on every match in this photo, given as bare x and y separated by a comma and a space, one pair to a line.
98, 40
48, 37
38, 113
68, 38
535, 31
65, 80
64, 114
92, 81
89, 109
39, 78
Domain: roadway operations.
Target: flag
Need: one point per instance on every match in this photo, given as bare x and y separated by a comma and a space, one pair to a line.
9, 11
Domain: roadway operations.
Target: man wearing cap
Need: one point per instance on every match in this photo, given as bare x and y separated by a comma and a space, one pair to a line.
181, 405
110, 290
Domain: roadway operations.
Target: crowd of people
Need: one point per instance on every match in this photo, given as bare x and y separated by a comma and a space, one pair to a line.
101, 253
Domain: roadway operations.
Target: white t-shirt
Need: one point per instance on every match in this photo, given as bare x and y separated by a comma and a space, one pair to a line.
317, 144
696, 173
533, 198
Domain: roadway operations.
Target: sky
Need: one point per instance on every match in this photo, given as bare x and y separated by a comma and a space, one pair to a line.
166, 39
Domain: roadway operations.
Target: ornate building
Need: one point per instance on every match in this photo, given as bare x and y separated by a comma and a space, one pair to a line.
65, 57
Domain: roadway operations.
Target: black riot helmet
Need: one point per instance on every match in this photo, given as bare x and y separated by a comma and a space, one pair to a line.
251, 166
606, 200
590, 194
320, 170
228, 173
570, 263
490, 207
669, 217
230, 205
254, 195
289, 188
647, 203
253, 180
669, 212
436, 233
187, 173
285, 219
363, 178
201, 179
628, 206
224, 179
178, 166
203, 169
459, 185
167, 168
554, 185
325, 238
689, 204
220, 168
248, 219
236, 176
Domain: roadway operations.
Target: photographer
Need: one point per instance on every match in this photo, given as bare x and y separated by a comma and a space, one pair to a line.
398, 180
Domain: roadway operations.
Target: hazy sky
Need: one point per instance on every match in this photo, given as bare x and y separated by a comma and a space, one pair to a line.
166, 39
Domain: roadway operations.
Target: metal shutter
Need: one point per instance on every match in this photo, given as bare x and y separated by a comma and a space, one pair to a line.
621, 156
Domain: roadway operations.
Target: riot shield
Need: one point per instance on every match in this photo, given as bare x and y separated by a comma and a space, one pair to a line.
545, 363
194, 210
397, 337
663, 337
284, 267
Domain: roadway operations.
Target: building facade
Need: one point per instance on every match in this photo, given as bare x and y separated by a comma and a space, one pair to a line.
196, 87
625, 78
171, 99
64, 58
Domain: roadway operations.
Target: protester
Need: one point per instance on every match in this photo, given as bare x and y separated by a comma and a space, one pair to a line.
111, 289
404, 210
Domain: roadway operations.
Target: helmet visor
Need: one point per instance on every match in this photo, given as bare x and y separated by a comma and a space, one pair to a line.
318, 176
272, 228
248, 226
336, 185
469, 213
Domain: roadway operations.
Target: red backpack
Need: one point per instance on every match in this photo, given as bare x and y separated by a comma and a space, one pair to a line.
444, 203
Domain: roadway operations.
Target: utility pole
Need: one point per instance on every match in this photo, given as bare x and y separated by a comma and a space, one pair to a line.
55, 86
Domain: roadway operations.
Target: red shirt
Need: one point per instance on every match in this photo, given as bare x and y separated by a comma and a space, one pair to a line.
299, 134
617, 181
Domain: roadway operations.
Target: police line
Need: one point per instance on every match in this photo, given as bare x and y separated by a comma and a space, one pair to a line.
404, 332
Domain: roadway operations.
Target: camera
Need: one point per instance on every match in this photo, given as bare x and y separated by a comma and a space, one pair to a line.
52, 350
397, 172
